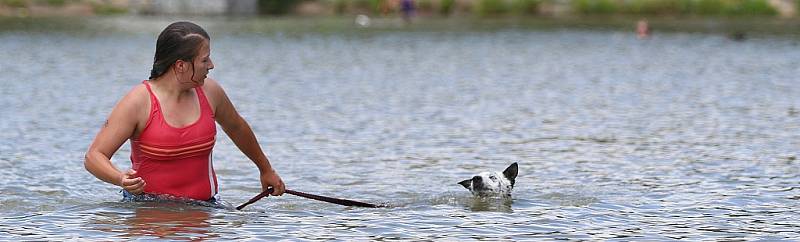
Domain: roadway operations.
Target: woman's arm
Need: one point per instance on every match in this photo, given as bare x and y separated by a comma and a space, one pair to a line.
118, 128
242, 135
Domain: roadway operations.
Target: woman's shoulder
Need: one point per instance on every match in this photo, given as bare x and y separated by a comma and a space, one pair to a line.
212, 88
214, 92
138, 94
133, 107
138, 98
211, 85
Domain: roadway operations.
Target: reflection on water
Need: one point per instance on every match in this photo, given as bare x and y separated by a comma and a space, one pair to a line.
484, 204
169, 222
681, 136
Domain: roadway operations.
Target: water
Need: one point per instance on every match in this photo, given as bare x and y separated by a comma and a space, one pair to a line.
682, 136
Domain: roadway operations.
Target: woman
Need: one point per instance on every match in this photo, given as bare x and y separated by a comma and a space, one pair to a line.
170, 122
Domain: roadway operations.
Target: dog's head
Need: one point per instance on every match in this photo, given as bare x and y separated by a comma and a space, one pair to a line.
492, 183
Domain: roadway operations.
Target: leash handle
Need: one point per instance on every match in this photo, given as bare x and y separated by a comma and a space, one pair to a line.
338, 201
256, 198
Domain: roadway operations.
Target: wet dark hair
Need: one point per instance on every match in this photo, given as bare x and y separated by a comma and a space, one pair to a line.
178, 41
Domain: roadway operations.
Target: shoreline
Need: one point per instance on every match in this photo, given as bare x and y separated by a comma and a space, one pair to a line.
407, 8
751, 26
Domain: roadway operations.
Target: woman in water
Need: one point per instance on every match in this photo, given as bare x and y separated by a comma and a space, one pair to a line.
170, 121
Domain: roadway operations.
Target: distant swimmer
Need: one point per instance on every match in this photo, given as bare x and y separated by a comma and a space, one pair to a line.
642, 29
738, 36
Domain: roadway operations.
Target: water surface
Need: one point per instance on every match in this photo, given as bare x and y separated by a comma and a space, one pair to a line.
681, 136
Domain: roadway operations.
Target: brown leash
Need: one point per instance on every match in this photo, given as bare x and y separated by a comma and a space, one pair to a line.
339, 201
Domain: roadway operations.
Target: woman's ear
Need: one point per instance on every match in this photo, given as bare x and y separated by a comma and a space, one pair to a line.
180, 66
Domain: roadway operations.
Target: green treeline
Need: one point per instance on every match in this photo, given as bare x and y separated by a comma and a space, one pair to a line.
474, 7
536, 7
676, 7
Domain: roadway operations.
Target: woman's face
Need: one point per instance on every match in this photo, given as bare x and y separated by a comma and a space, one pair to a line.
202, 64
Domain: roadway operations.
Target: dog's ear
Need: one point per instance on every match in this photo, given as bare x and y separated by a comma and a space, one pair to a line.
466, 183
511, 173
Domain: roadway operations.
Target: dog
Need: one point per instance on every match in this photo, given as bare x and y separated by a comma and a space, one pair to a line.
492, 183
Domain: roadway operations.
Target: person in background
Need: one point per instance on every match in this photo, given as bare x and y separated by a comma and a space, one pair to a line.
642, 29
170, 122
407, 7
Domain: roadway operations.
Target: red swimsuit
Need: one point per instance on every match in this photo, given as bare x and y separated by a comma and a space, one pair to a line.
177, 161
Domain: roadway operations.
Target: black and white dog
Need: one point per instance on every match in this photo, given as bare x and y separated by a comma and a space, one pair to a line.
492, 183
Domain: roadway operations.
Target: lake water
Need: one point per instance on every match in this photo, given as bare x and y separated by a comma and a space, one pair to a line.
681, 136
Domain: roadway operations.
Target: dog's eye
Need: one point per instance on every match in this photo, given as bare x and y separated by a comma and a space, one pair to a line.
493, 178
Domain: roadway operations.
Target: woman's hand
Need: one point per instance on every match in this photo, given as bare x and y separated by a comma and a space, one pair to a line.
271, 179
131, 183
